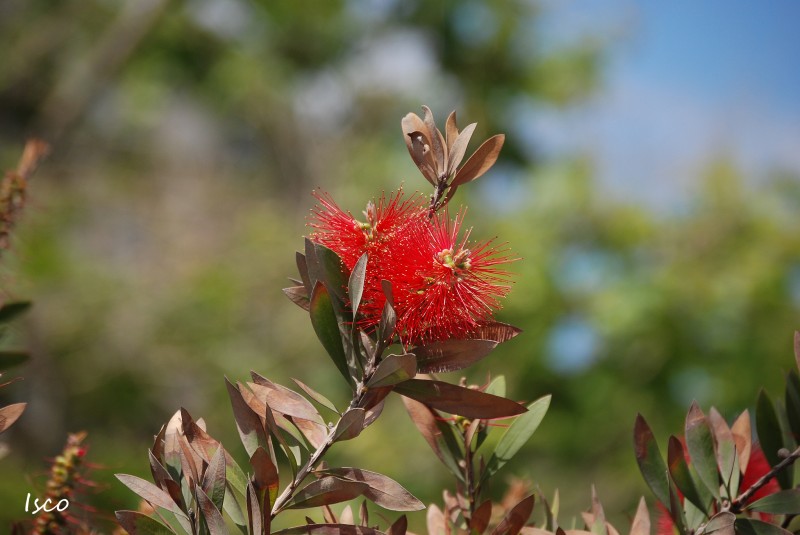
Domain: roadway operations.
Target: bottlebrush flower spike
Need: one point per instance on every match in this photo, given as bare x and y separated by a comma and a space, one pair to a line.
451, 286
438, 156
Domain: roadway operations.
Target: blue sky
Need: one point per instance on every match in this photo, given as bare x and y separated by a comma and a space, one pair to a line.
686, 79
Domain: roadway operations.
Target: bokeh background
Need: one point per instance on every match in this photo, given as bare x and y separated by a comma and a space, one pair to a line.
649, 180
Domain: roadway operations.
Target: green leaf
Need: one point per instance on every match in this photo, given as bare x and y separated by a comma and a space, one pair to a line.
394, 369
497, 387
333, 271
516, 435
355, 285
750, 526
323, 319
136, 523
679, 470
793, 404
700, 443
770, 436
231, 506
651, 464
327, 491
9, 359
10, 311
459, 400
451, 355
727, 456
785, 502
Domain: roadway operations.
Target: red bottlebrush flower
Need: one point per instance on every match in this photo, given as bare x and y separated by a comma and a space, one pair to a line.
444, 287
384, 235
451, 286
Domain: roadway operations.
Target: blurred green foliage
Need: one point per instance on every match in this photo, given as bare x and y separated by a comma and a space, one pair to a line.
187, 137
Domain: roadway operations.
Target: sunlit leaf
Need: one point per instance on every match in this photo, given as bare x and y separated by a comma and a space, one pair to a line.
381, 490
517, 435
459, 400
480, 161
327, 491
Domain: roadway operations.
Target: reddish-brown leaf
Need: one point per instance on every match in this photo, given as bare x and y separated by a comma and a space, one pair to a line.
282, 399
299, 296
327, 491
350, 425
382, 489
399, 527
328, 529
136, 523
451, 130
516, 518
394, 369
212, 515
451, 355
265, 473
459, 400
459, 148
148, 492
480, 518
497, 331
10, 414
480, 161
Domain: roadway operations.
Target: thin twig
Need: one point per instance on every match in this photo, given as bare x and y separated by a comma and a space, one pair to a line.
738, 504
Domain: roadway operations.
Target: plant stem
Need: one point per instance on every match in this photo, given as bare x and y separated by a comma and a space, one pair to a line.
738, 504
316, 457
